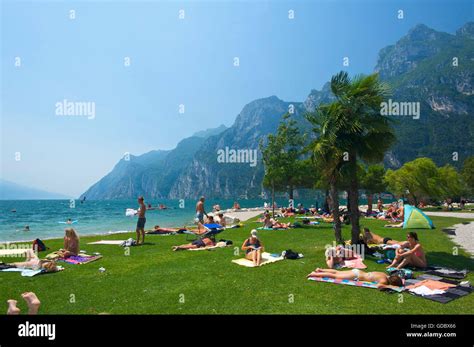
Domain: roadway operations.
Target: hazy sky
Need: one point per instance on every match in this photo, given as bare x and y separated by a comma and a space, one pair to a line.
173, 61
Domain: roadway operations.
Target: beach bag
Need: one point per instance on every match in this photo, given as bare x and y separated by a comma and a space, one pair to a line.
289, 254
39, 246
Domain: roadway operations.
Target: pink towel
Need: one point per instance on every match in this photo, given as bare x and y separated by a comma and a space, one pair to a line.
355, 263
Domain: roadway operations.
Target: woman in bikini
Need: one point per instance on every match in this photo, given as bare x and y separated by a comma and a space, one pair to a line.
200, 243
371, 238
412, 255
382, 279
34, 263
270, 223
253, 248
71, 244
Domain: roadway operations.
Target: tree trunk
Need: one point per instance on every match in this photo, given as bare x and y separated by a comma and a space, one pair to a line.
335, 213
348, 202
370, 201
326, 201
291, 192
273, 199
354, 199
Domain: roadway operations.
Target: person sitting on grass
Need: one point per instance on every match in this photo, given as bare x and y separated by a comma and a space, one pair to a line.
221, 219
383, 280
253, 248
336, 256
270, 223
412, 255
372, 238
200, 243
31, 300
71, 244
32, 262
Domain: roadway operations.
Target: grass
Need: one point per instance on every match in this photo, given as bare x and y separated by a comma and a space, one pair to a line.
155, 280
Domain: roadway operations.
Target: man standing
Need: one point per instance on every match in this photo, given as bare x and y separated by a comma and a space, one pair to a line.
141, 220
200, 212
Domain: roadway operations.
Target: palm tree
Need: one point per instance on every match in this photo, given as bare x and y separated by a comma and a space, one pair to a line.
327, 157
360, 132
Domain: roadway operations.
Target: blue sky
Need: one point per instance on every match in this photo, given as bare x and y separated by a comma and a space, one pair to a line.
173, 61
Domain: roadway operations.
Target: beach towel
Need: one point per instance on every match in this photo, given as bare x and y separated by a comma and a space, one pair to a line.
107, 242
24, 272
446, 272
130, 212
345, 282
29, 272
355, 263
267, 258
18, 252
449, 294
80, 259
264, 228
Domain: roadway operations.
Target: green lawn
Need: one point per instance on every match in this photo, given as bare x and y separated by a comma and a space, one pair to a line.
152, 278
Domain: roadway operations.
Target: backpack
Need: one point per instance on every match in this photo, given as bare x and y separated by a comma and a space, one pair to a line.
39, 246
289, 254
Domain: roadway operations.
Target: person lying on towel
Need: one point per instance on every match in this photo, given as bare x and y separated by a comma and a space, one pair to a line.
383, 280
269, 222
253, 248
159, 230
372, 238
32, 262
201, 243
71, 244
413, 255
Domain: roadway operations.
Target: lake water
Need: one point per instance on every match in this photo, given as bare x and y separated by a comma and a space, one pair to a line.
97, 217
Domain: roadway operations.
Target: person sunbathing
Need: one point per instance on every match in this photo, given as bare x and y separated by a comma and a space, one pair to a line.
32, 262
200, 243
71, 244
270, 223
412, 255
157, 230
31, 300
383, 280
372, 238
253, 248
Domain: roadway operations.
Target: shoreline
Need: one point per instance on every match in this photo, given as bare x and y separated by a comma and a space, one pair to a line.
243, 215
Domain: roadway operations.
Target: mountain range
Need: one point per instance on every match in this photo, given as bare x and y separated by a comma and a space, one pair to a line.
14, 191
428, 67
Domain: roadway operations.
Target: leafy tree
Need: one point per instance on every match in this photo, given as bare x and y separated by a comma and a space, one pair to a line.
373, 182
418, 180
467, 174
450, 182
282, 158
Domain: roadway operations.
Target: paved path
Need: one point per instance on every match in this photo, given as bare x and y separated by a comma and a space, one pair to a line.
467, 215
463, 235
